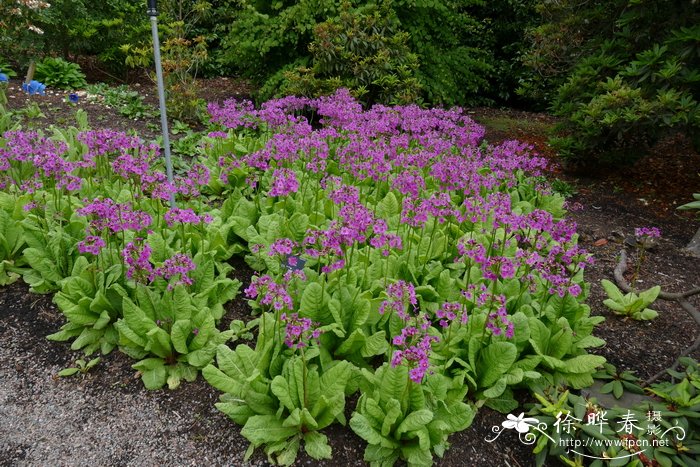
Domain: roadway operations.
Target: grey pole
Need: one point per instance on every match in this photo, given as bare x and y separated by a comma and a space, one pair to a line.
153, 13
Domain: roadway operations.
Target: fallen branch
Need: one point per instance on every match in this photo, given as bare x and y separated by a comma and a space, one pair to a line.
681, 298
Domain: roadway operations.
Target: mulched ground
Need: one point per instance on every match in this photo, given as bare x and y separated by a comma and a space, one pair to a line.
108, 418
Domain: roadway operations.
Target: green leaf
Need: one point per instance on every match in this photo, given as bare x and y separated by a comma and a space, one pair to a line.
584, 363
416, 456
617, 389
648, 314
414, 421
376, 344
316, 445
179, 334
494, 361
364, 429
135, 318
159, 342
153, 372
313, 299
68, 372
280, 388
650, 295
220, 380
86, 338
393, 412
265, 429
612, 290
103, 320
389, 206
174, 377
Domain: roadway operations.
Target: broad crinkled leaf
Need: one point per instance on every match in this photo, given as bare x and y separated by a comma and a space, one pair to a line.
364, 429
494, 361
414, 421
264, 429
179, 334
316, 445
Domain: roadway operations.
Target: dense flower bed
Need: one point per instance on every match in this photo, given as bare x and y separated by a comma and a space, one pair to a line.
397, 256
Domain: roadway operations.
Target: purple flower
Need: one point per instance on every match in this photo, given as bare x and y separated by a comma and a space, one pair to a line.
284, 182
106, 214
282, 247
269, 292
499, 321
73, 98
176, 266
414, 345
137, 256
400, 295
184, 216
649, 232
299, 332
92, 244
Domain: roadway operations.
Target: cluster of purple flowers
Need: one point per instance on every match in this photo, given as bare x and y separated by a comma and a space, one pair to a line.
92, 245
29, 151
648, 232
284, 182
137, 256
299, 332
400, 295
413, 349
178, 266
185, 216
270, 293
498, 321
105, 214
451, 312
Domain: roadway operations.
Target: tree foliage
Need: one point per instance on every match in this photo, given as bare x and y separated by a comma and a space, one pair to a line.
625, 73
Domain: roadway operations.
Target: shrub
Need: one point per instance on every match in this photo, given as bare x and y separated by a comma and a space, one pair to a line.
461, 47
363, 52
58, 73
630, 85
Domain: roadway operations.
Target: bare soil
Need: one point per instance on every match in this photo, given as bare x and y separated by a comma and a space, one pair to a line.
107, 418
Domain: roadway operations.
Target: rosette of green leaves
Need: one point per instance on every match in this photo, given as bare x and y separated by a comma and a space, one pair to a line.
173, 334
280, 400
91, 300
11, 239
631, 305
347, 315
211, 285
560, 332
52, 234
404, 420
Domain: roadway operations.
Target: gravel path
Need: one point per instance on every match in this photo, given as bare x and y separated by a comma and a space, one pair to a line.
105, 418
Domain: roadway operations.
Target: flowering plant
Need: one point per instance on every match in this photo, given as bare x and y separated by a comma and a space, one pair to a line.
400, 419
172, 335
34, 87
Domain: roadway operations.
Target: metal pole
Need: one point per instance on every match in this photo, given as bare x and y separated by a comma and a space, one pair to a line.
161, 98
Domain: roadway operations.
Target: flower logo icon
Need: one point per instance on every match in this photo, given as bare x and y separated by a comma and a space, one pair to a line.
519, 423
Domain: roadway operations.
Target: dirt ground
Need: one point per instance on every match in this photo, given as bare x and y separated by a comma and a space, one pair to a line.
108, 418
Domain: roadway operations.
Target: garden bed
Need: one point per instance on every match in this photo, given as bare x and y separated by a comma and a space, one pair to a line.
106, 417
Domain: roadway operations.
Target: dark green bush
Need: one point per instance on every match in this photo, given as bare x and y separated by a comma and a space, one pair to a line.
59, 73
363, 51
625, 87
467, 51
